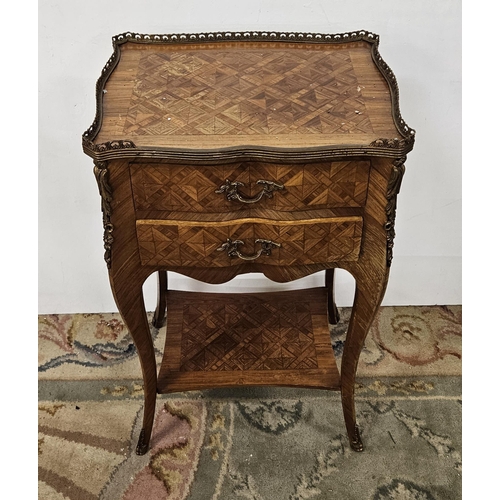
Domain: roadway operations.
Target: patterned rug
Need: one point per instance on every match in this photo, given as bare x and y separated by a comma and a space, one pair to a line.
252, 443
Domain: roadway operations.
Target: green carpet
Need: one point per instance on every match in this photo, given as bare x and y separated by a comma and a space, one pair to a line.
252, 443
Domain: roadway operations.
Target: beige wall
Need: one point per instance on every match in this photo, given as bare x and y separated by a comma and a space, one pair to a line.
421, 42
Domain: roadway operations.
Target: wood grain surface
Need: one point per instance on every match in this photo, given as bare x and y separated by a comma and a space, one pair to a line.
195, 244
247, 339
230, 94
188, 188
219, 159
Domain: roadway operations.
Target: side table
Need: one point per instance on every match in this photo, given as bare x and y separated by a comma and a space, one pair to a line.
218, 154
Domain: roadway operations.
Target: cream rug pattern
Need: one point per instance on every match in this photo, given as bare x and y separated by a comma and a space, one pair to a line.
252, 443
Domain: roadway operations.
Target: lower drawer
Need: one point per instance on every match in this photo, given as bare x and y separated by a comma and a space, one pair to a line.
263, 241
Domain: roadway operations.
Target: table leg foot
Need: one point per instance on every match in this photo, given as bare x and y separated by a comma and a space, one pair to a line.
147, 422
355, 440
142, 446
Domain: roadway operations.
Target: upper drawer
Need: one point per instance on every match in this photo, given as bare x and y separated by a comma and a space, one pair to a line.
222, 188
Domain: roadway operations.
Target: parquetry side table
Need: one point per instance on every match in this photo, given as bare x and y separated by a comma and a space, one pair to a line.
218, 154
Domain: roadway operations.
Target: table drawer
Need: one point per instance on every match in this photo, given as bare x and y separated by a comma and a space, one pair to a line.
263, 241
186, 188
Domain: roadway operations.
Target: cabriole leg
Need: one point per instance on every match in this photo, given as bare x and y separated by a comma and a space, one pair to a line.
130, 302
367, 299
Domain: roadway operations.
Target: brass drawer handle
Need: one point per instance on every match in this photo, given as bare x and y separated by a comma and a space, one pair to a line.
232, 248
231, 190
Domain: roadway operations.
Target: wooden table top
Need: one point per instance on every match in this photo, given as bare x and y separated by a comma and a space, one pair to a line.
259, 93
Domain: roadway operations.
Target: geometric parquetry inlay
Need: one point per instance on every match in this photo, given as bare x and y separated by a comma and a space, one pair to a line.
254, 335
193, 189
196, 245
218, 92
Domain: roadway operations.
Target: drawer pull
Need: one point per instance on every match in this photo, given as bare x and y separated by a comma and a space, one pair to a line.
232, 248
231, 190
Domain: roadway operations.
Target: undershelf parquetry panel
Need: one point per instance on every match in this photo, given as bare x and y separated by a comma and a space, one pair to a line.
258, 339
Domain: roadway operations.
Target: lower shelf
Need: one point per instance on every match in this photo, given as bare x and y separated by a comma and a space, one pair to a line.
248, 339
